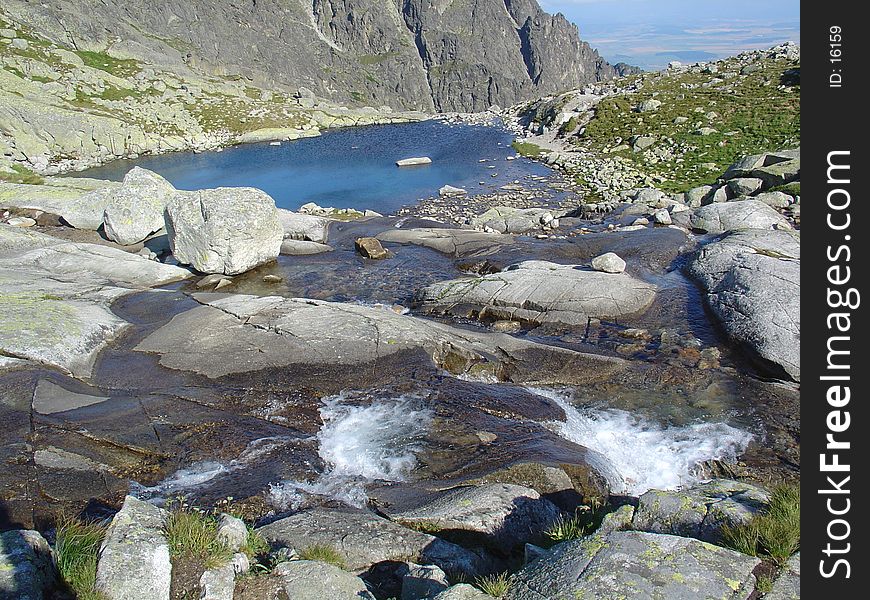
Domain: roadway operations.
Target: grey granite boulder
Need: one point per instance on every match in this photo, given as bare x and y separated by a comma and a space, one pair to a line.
224, 230
462, 591
218, 583
300, 226
81, 201
27, 571
500, 515
135, 209
609, 262
631, 564
232, 531
745, 186
700, 511
313, 580
506, 219
540, 292
365, 539
775, 199
721, 217
423, 582
752, 281
134, 558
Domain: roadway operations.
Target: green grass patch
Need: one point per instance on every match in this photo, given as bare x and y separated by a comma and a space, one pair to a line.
255, 546
774, 533
527, 149
21, 174
323, 553
77, 550
120, 67
192, 535
565, 529
496, 585
752, 115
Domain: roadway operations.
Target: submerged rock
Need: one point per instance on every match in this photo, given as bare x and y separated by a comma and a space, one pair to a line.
224, 230
630, 564
134, 558
27, 570
364, 539
371, 248
752, 280
540, 292
135, 210
456, 242
501, 515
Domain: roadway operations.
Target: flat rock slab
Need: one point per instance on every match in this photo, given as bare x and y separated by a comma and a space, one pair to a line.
752, 280
630, 564
291, 247
507, 219
460, 243
49, 398
79, 200
299, 226
700, 511
540, 292
55, 296
722, 217
234, 334
499, 514
27, 570
364, 539
134, 558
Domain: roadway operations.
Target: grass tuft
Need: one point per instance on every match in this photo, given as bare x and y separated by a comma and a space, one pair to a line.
323, 553
192, 535
496, 585
77, 550
565, 529
773, 533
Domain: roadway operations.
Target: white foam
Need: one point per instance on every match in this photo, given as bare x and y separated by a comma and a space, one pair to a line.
360, 444
200, 473
635, 454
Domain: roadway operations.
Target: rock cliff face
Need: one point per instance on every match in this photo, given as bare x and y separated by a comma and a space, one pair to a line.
410, 54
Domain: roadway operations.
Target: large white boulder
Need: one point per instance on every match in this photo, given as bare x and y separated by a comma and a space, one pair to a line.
135, 210
224, 230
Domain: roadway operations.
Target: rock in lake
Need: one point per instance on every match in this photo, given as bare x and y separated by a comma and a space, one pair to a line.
301, 226
609, 262
631, 564
134, 558
449, 190
499, 515
752, 280
456, 242
27, 570
409, 162
371, 248
506, 219
540, 292
135, 210
224, 230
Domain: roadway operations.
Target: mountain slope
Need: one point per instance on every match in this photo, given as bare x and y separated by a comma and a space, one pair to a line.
409, 54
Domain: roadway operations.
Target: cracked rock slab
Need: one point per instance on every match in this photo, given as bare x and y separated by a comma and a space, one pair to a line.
631, 564
241, 333
540, 292
752, 281
721, 217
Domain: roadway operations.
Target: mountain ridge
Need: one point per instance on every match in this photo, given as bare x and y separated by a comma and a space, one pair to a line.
429, 55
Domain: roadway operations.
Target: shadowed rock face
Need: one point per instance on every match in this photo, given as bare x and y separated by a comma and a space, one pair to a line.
444, 55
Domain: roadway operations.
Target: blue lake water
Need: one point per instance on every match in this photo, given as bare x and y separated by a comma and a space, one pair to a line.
349, 168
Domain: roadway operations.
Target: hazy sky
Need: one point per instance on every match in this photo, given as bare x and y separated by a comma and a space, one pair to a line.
650, 33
